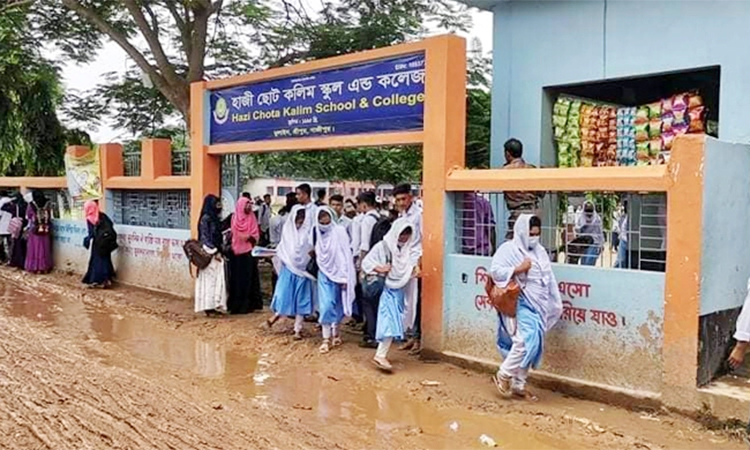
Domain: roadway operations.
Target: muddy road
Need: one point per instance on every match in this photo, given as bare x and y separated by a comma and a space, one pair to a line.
132, 369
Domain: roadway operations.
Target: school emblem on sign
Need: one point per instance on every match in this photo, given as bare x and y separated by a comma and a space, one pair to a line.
221, 111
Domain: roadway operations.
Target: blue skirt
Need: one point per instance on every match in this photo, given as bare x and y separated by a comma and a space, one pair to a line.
529, 326
329, 301
390, 315
293, 294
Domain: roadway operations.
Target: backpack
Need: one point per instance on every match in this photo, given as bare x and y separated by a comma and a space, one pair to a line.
196, 255
15, 227
379, 230
105, 237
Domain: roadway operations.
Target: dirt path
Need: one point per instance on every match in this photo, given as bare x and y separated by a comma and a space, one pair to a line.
133, 369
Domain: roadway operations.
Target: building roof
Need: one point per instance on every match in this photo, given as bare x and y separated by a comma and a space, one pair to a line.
487, 5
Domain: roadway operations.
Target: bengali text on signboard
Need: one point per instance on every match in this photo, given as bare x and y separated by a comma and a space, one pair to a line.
378, 96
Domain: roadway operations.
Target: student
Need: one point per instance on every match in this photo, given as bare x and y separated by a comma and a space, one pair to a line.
337, 204
211, 288
39, 241
277, 225
539, 305
244, 279
336, 276
264, 219
410, 211
392, 259
100, 271
321, 194
293, 295
589, 227
367, 221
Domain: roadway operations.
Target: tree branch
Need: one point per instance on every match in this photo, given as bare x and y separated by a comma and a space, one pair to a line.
165, 66
159, 81
11, 4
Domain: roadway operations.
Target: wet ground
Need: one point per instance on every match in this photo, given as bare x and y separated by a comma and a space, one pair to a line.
128, 368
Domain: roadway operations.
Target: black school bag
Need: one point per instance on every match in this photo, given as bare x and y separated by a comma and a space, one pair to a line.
105, 237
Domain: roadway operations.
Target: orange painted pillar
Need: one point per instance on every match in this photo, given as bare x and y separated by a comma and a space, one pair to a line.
683, 269
444, 142
205, 169
77, 150
111, 165
111, 161
156, 158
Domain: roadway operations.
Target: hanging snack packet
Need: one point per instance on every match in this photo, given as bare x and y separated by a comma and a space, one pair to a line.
559, 132
697, 123
667, 121
666, 106
667, 139
654, 147
641, 114
641, 132
642, 151
680, 129
654, 127
561, 108
694, 100
680, 117
680, 102
559, 121
654, 110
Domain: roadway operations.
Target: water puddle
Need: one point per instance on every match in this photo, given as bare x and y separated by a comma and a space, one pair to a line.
332, 402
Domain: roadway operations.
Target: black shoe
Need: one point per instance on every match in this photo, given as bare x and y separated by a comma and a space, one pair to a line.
312, 318
368, 344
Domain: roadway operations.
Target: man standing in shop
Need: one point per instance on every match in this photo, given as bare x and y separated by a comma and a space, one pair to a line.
518, 202
264, 219
409, 210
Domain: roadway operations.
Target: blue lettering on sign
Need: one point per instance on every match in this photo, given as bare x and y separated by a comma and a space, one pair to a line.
384, 95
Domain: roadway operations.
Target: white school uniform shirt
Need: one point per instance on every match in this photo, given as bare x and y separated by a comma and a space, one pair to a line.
742, 332
277, 224
366, 225
355, 234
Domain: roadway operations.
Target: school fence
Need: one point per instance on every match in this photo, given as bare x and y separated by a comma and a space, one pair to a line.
150, 207
654, 326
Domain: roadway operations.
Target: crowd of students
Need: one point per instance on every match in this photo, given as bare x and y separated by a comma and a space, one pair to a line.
26, 226
332, 260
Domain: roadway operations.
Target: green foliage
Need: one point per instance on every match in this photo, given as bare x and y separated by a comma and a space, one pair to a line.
32, 140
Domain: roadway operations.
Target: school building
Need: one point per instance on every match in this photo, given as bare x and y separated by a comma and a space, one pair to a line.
653, 332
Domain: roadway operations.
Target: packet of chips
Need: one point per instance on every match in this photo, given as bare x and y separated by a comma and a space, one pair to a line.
559, 132
666, 106
680, 117
680, 102
697, 123
667, 139
654, 127
562, 107
641, 115
680, 129
641, 132
654, 147
694, 100
642, 151
559, 121
667, 121
654, 110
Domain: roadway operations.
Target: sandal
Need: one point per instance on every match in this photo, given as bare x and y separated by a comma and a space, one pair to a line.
297, 336
416, 349
382, 364
525, 395
408, 345
325, 347
337, 342
503, 385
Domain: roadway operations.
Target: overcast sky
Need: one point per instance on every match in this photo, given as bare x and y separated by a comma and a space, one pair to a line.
112, 58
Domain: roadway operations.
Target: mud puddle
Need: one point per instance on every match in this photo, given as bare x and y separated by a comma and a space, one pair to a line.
320, 397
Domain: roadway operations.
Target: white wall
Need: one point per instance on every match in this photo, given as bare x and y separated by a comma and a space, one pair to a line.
546, 43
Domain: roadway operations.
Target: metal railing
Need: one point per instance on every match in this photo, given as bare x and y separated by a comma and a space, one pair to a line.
625, 230
156, 209
132, 163
181, 162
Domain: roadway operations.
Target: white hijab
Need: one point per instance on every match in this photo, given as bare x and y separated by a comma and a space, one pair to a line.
334, 256
402, 264
295, 245
539, 284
